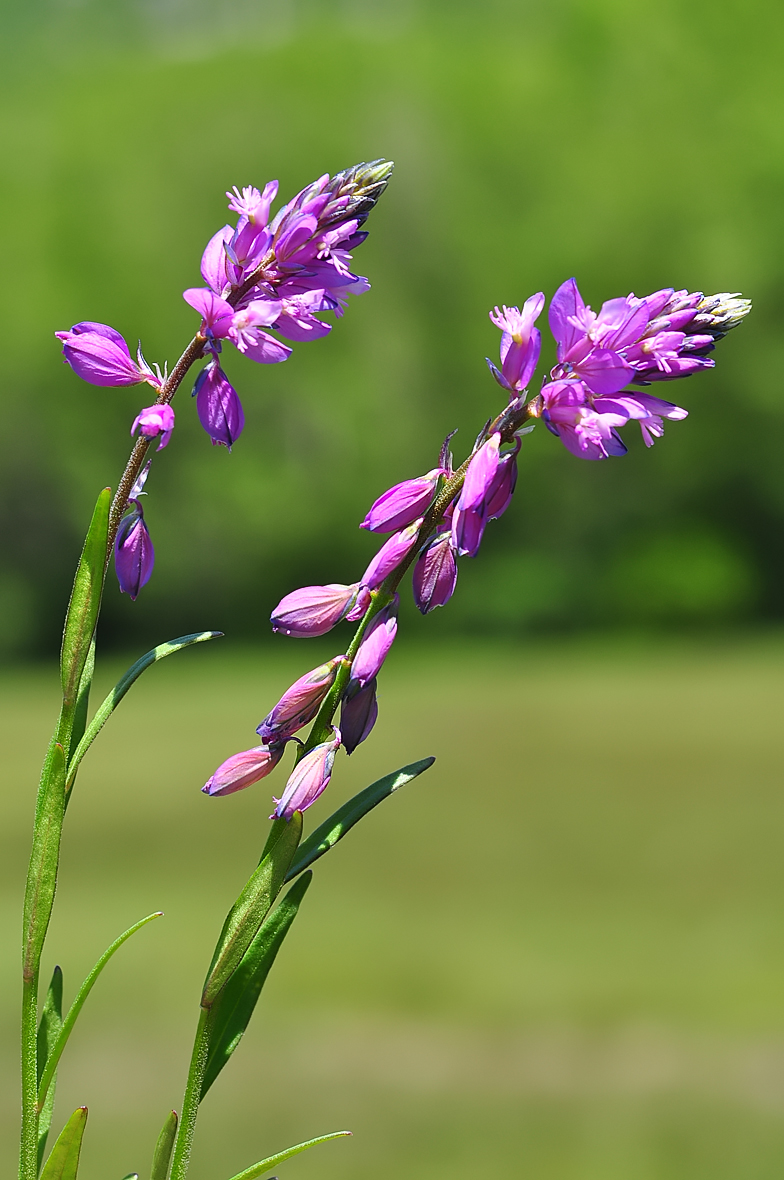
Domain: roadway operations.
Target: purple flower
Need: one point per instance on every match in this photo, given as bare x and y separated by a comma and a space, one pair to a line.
243, 326
468, 527
313, 610
480, 475
375, 644
390, 555
154, 421
520, 343
308, 779
242, 769
98, 354
358, 713
499, 494
586, 433
300, 703
402, 504
218, 406
134, 555
435, 574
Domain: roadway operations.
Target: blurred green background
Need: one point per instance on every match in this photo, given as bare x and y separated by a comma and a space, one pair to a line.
559, 954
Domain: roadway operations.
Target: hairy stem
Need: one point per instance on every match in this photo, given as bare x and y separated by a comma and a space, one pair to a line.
28, 1155
191, 1098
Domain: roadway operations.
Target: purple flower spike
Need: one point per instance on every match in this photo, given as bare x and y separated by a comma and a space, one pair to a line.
154, 421
480, 475
313, 610
358, 714
242, 769
375, 645
134, 555
402, 504
390, 555
435, 574
218, 406
308, 779
300, 703
98, 354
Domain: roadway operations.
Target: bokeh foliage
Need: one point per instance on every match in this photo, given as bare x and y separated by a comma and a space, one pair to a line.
632, 147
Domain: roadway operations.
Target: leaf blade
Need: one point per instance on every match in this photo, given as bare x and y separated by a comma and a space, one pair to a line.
45, 856
110, 703
272, 1161
250, 909
78, 1004
234, 1005
85, 601
164, 1147
48, 1030
327, 835
63, 1162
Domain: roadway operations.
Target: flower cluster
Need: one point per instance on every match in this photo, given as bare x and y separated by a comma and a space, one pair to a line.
440, 516
263, 276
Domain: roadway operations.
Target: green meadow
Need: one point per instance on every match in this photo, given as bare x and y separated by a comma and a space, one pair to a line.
559, 953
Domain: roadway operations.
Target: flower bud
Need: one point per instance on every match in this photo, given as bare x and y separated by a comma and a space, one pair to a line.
375, 644
358, 714
402, 504
390, 555
218, 406
499, 494
155, 421
99, 354
467, 530
313, 610
480, 474
242, 769
300, 703
435, 574
308, 779
134, 555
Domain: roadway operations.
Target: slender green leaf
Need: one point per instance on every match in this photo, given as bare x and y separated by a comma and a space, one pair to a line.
85, 601
272, 1161
111, 702
48, 1030
78, 1004
164, 1147
341, 821
63, 1162
131, 1176
234, 1006
45, 856
250, 909
82, 701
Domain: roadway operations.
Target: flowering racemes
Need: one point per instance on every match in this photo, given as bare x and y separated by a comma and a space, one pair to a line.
268, 283
436, 518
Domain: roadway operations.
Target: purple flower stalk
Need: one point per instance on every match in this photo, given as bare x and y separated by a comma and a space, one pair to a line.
309, 778
242, 769
435, 574
313, 610
155, 421
218, 406
99, 354
375, 645
358, 714
402, 504
390, 555
300, 703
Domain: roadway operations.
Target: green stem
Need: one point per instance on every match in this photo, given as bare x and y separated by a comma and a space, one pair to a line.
191, 1098
28, 1155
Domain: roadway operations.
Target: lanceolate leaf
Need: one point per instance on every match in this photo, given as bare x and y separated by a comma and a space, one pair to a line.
63, 1162
82, 701
272, 1161
85, 600
250, 909
234, 1006
111, 702
48, 1030
45, 856
76, 1007
333, 829
163, 1148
